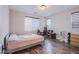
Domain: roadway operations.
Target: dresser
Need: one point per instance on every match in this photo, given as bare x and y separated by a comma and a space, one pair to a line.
75, 40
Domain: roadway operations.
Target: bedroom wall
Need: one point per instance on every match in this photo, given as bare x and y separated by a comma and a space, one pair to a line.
17, 21
62, 22
4, 22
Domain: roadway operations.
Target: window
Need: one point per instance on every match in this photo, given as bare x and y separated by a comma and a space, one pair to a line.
49, 24
75, 20
31, 24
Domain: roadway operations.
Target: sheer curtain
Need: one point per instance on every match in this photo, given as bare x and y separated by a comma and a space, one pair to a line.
31, 24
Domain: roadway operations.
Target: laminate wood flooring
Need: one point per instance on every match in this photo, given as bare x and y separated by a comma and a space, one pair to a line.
50, 46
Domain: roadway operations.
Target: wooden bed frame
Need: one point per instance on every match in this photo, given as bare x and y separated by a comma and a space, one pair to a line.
7, 51
24, 47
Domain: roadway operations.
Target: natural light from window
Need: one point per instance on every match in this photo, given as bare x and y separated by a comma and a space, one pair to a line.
31, 24
49, 24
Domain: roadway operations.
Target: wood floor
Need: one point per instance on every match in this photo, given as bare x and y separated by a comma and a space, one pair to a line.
50, 46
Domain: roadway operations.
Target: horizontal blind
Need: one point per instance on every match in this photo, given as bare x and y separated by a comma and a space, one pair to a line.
75, 20
31, 24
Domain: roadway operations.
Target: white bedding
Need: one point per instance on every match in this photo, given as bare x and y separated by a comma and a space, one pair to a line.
28, 37
19, 42
24, 37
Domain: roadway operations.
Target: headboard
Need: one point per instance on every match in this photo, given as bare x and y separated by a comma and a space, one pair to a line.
5, 42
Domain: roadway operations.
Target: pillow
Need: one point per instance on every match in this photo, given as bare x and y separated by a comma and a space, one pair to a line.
13, 37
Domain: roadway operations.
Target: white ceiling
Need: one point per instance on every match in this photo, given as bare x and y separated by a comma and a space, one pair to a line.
52, 9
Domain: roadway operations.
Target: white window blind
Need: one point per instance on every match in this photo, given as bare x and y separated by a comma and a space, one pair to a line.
31, 24
75, 20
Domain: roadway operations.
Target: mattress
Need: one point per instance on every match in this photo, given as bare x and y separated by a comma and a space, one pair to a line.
24, 40
28, 37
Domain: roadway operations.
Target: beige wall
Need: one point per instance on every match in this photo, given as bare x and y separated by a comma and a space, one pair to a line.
60, 21
63, 22
4, 22
17, 21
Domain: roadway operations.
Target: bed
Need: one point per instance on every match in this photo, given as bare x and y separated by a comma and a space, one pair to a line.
20, 42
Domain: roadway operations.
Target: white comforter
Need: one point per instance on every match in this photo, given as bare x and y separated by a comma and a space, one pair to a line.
28, 37
24, 37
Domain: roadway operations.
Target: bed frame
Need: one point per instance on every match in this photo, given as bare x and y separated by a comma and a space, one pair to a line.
4, 46
24, 47
6, 51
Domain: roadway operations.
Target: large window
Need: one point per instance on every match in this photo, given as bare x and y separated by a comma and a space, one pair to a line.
31, 24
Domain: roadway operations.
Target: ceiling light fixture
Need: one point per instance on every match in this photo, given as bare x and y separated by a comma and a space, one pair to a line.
43, 7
